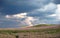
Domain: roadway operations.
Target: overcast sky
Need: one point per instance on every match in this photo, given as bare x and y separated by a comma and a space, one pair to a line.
17, 13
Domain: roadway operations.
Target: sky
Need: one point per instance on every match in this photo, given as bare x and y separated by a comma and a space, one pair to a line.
18, 13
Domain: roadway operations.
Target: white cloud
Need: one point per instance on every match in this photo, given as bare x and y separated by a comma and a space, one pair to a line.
37, 16
49, 7
8, 16
21, 15
58, 12
29, 20
46, 10
33, 21
52, 15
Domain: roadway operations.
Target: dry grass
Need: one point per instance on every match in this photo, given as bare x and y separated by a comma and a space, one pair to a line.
32, 32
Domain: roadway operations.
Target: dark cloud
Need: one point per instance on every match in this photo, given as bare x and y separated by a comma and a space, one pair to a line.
41, 10
15, 9
57, 1
8, 24
20, 6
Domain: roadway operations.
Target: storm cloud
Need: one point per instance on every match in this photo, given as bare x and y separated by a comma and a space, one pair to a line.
19, 6
18, 13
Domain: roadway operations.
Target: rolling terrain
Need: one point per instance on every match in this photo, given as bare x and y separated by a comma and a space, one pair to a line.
38, 31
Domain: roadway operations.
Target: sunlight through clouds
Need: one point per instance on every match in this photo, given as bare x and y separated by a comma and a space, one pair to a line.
29, 12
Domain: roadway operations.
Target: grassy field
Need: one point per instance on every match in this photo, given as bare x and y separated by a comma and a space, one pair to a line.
49, 31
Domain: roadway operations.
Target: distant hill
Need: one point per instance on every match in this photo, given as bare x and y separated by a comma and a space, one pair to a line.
39, 25
37, 31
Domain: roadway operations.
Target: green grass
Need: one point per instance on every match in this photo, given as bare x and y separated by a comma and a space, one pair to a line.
50, 32
43, 25
47, 31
